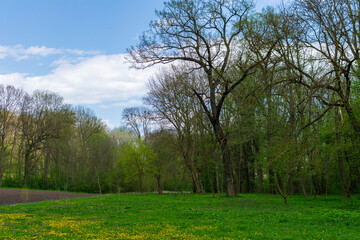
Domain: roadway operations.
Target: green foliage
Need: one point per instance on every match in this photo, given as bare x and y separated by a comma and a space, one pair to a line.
137, 159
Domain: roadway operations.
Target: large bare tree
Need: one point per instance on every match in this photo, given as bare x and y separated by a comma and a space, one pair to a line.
322, 47
207, 35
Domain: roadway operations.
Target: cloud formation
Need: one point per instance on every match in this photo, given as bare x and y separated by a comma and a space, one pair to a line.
105, 80
19, 52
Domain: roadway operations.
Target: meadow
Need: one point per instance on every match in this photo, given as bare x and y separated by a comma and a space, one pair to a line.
183, 216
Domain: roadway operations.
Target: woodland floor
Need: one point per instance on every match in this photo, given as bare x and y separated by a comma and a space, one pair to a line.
15, 196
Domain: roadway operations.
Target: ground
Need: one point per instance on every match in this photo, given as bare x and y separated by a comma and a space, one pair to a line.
15, 196
181, 216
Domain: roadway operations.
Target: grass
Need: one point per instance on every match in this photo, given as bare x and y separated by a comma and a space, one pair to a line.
183, 216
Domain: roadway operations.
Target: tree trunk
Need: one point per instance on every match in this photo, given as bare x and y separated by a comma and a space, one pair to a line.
259, 171
259, 178
344, 184
271, 181
217, 179
269, 135
238, 155
303, 186
45, 170
283, 188
141, 182
159, 183
248, 169
245, 176
358, 177
12, 152
251, 167
3, 158
27, 168
216, 169
316, 185
228, 167
196, 183
353, 120
340, 156
188, 158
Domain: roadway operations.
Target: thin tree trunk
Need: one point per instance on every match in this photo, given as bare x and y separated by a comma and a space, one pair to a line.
269, 135
259, 178
271, 181
141, 182
12, 152
3, 158
343, 180
45, 171
159, 183
316, 184
282, 189
27, 167
303, 186
217, 179
237, 167
358, 177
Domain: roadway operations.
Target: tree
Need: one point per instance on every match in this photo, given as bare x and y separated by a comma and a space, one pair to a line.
171, 96
138, 119
327, 35
87, 125
10, 99
101, 157
162, 142
320, 45
137, 158
40, 123
206, 35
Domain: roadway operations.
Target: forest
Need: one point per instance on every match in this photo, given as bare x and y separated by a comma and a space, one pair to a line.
244, 102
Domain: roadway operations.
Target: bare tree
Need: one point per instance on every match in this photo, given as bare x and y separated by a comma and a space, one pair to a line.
138, 119
171, 95
205, 34
40, 122
10, 99
326, 34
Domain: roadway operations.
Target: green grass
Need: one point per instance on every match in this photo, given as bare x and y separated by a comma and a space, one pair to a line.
183, 216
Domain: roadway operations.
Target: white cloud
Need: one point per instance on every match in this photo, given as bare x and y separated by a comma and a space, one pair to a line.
108, 123
127, 103
98, 80
41, 51
19, 52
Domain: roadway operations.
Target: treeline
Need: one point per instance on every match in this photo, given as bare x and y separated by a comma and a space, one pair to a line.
274, 95
247, 103
46, 144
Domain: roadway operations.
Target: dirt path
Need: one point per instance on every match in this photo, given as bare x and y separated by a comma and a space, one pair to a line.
14, 196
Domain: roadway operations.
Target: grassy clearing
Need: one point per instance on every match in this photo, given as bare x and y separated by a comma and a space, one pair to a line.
188, 216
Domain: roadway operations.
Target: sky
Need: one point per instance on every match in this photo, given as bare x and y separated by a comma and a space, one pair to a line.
77, 48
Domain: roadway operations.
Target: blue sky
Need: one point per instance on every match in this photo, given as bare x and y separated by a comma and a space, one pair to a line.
76, 48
